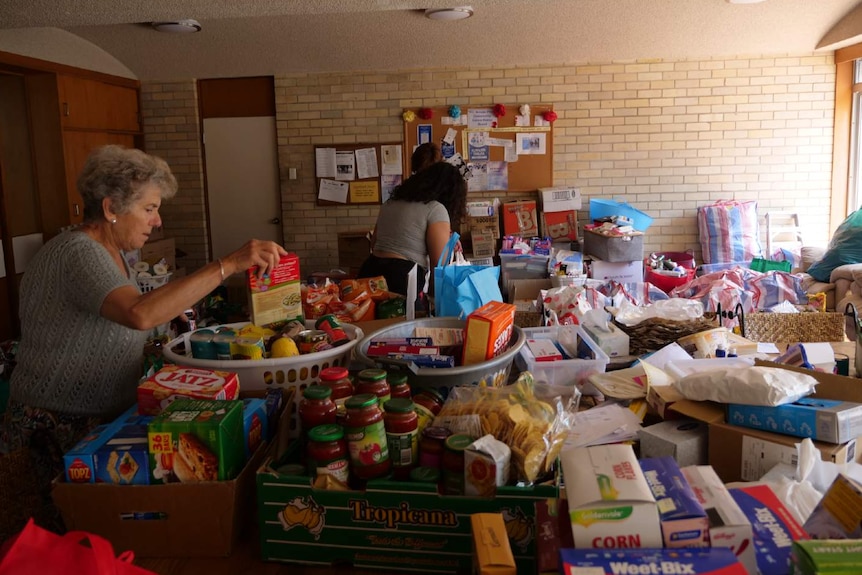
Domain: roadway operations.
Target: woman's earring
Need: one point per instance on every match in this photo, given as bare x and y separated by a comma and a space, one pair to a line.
114, 221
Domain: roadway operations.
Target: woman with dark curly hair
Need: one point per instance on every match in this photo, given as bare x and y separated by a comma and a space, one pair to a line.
414, 225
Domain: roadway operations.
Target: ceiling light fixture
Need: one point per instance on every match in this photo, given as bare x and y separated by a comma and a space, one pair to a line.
457, 13
178, 26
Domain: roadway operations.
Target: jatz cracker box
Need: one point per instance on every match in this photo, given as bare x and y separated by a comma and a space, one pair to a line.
197, 440
277, 297
488, 332
683, 520
775, 528
610, 502
716, 561
174, 382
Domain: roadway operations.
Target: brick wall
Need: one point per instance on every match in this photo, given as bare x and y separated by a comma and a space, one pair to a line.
665, 136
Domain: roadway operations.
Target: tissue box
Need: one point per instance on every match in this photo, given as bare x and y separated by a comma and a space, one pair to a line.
683, 439
827, 420
615, 342
839, 513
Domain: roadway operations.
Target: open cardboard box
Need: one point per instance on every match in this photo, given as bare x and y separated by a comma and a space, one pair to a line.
176, 519
743, 454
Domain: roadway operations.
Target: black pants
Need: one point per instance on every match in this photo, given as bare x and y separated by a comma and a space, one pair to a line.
394, 270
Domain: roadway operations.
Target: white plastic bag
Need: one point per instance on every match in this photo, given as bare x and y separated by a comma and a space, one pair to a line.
755, 385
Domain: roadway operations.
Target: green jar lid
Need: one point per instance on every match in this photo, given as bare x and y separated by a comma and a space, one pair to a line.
396, 377
317, 392
399, 405
372, 374
458, 442
325, 433
292, 469
430, 392
361, 400
425, 474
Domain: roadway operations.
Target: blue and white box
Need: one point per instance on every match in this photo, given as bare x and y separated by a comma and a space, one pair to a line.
255, 424
124, 459
683, 519
828, 420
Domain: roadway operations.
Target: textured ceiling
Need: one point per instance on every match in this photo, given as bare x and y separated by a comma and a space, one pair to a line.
266, 37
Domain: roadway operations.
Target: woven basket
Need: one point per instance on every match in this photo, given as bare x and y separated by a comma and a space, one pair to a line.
19, 495
654, 333
795, 327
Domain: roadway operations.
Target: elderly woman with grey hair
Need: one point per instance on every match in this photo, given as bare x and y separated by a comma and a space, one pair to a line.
84, 320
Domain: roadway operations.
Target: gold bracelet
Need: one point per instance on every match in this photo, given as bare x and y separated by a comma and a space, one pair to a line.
221, 268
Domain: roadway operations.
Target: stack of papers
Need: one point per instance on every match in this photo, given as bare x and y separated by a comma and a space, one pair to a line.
601, 425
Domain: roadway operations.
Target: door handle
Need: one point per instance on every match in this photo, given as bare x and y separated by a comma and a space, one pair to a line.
275, 221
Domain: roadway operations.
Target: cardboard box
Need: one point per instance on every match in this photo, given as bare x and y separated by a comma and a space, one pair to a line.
485, 225
487, 332
486, 466
610, 503
625, 248
492, 554
482, 208
277, 298
390, 525
526, 295
648, 561
661, 398
683, 439
560, 199
838, 515
828, 420
153, 252
683, 519
728, 525
622, 272
174, 382
484, 244
560, 225
773, 525
834, 557
519, 219
172, 520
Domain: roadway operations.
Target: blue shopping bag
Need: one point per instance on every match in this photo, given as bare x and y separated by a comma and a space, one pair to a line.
460, 289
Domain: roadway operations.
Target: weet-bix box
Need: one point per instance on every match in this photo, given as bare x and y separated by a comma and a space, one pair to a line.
683, 519
610, 503
728, 525
775, 528
715, 561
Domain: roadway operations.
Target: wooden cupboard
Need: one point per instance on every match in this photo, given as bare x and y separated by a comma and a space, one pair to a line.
92, 104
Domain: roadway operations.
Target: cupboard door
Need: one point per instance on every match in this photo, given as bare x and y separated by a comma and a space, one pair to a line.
77, 147
90, 104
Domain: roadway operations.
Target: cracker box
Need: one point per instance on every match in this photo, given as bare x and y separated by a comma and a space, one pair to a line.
829, 557
492, 554
838, 515
196, 440
255, 423
277, 297
488, 331
716, 561
124, 459
827, 420
610, 502
683, 520
728, 525
560, 225
80, 462
174, 382
519, 218
775, 529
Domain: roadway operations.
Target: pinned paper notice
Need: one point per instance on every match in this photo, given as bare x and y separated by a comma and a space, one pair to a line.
324, 159
333, 191
522, 121
391, 161
498, 141
531, 144
366, 163
511, 152
449, 138
345, 166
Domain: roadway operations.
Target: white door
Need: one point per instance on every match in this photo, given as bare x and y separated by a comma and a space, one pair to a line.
242, 182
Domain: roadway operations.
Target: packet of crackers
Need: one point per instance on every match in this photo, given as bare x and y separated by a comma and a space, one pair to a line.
532, 419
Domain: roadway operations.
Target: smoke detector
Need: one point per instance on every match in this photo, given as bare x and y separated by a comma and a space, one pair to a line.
178, 26
457, 13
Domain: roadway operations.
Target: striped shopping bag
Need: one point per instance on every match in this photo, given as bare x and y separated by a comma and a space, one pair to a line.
729, 231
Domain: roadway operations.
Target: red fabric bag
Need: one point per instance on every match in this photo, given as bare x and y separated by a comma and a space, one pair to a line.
37, 550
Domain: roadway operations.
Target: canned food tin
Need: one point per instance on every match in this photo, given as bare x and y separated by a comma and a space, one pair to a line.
312, 340
245, 347
222, 340
328, 323
202, 344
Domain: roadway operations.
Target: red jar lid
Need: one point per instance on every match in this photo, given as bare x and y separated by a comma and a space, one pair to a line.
333, 373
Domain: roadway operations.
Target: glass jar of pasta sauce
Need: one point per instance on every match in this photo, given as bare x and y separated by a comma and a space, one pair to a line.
428, 404
402, 436
374, 381
327, 452
431, 446
366, 437
453, 463
398, 384
338, 380
316, 407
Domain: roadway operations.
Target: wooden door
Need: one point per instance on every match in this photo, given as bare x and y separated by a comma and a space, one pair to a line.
77, 147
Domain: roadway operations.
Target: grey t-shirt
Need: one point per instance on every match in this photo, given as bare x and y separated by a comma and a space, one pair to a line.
70, 358
401, 228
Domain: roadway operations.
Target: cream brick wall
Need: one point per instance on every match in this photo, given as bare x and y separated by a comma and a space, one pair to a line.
666, 137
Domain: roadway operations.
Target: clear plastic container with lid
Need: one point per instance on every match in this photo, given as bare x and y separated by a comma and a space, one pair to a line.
327, 452
402, 435
373, 381
366, 437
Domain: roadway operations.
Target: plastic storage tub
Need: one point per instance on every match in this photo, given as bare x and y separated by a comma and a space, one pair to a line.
591, 359
298, 371
494, 372
600, 208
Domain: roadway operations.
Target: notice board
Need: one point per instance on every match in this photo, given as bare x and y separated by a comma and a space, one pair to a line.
513, 152
350, 174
